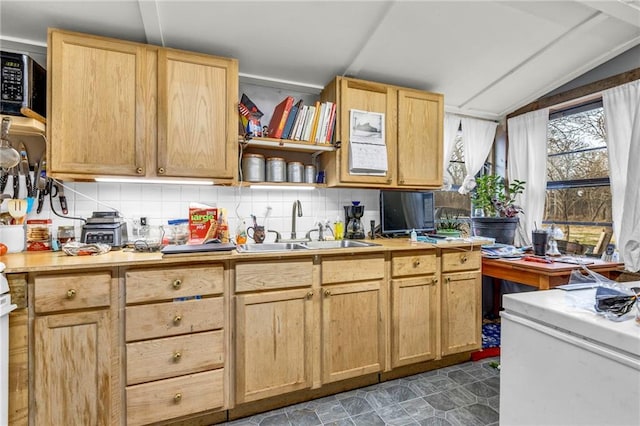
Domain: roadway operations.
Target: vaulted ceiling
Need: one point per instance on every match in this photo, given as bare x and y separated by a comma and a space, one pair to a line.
487, 57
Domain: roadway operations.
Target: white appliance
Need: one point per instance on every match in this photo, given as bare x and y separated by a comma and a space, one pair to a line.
5, 308
564, 365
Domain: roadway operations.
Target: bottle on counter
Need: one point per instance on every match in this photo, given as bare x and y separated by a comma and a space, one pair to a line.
338, 229
414, 236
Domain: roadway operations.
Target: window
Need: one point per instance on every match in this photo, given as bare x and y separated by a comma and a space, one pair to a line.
578, 197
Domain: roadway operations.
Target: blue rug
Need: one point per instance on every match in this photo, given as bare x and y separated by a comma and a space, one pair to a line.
491, 335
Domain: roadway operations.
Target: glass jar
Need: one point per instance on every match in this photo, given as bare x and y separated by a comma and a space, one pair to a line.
66, 234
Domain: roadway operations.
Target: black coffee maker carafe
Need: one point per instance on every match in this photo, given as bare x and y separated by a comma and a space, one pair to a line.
353, 215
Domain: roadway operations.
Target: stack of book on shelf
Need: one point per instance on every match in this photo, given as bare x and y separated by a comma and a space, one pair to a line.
311, 123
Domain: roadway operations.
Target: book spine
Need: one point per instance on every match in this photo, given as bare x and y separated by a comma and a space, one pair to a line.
331, 124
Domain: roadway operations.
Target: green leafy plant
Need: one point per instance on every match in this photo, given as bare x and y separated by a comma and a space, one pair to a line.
450, 223
495, 198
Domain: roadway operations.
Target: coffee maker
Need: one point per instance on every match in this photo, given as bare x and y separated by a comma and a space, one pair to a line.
352, 215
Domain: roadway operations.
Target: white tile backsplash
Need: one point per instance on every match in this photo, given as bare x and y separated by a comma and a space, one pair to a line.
160, 203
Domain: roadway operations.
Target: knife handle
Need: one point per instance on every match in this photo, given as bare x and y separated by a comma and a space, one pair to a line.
16, 185
4, 178
27, 181
40, 201
63, 204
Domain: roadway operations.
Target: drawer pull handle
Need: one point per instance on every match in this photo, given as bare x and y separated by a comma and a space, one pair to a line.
177, 284
177, 356
463, 259
71, 293
416, 263
327, 293
177, 397
309, 295
177, 319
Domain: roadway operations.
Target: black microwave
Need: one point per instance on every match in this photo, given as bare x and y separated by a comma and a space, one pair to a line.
23, 84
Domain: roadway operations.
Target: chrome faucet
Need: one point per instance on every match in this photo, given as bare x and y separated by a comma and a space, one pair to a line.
296, 209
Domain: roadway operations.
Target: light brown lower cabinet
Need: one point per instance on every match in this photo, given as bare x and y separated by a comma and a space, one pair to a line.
74, 364
273, 343
461, 312
352, 330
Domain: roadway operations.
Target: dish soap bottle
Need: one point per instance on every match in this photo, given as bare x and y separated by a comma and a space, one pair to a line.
338, 229
414, 236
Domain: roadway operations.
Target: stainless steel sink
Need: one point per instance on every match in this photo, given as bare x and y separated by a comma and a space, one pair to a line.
338, 244
270, 247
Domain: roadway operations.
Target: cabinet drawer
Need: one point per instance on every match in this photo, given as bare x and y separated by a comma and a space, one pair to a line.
170, 283
174, 356
414, 263
454, 260
255, 276
66, 292
173, 318
352, 268
170, 398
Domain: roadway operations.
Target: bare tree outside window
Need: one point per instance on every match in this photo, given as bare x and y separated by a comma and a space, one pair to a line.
578, 195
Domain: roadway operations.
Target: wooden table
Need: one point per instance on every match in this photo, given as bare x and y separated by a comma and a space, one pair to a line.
540, 275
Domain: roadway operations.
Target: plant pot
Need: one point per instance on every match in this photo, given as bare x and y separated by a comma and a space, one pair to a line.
448, 232
502, 229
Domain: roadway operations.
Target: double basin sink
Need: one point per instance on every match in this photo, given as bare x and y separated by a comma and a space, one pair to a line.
306, 245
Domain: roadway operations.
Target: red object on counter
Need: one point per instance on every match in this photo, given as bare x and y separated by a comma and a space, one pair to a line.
537, 259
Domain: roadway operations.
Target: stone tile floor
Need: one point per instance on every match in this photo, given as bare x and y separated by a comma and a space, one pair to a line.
461, 395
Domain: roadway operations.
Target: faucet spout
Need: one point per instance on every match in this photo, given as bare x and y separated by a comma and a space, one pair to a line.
296, 210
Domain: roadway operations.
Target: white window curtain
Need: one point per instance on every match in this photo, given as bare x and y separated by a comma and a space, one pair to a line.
527, 161
451, 125
477, 137
622, 121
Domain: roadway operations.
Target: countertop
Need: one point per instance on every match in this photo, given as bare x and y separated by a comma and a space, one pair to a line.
51, 261
567, 311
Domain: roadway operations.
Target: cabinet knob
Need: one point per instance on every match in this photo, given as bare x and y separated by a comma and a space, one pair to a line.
71, 293
447, 280
434, 280
161, 170
177, 319
416, 263
327, 293
389, 180
177, 397
309, 295
463, 259
139, 170
177, 284
177, 356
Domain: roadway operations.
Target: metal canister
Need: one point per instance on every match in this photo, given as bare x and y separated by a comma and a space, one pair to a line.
253, 167
295, 169
310, 173
276, 169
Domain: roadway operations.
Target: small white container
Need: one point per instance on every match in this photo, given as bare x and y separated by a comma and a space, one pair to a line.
14, 237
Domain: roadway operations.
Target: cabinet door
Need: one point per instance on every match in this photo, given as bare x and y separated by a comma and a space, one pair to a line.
420, 133
352, 330
97, 114
414, 320
273, 343
73, 369
197, 115
371, 97
461, 312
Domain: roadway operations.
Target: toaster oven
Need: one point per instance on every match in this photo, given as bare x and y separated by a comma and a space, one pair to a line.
23, 83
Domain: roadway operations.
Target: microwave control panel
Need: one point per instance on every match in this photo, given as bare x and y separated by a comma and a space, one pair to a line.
12, 79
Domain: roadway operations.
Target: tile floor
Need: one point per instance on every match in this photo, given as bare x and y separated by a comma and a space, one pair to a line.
461, 395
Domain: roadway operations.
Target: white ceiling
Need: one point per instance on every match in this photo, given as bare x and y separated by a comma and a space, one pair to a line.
487, 57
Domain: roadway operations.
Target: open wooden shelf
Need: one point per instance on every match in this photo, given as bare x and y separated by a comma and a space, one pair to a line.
286, 145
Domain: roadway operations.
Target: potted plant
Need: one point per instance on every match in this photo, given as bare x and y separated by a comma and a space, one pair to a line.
495, 209
449, 226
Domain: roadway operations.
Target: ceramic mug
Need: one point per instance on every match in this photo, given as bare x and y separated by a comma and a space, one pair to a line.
257, 233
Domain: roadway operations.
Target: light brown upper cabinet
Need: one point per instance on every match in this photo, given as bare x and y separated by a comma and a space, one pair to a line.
413, 134
118, 108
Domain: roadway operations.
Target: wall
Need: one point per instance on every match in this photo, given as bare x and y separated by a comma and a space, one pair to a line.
160, 203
